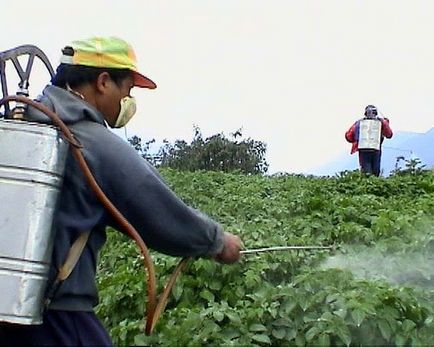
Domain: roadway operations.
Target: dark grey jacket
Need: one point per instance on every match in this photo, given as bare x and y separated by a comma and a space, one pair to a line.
164, 222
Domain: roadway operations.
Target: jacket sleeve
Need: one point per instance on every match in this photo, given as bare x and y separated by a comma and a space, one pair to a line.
162, 219
386, 131
350, 134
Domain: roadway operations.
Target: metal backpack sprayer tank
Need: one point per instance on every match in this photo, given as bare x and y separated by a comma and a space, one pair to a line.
370, 130
32, 163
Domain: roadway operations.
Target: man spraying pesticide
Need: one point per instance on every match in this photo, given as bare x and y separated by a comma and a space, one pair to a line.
53, 227
99, 182
367, 135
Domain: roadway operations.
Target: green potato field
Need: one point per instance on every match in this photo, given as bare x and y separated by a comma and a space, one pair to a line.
374, 287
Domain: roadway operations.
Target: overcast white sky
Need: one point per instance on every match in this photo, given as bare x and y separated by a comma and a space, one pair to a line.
294, 74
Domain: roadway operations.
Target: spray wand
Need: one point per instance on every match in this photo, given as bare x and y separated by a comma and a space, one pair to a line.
283, 248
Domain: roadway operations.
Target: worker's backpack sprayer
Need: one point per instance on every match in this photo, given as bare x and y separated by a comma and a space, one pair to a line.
370, 134
32, 165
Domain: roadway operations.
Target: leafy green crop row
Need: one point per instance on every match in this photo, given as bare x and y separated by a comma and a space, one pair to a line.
351, 296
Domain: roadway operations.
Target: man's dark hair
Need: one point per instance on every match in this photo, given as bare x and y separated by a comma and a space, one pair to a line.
77, 75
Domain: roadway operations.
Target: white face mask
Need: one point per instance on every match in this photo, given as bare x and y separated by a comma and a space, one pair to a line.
127, 111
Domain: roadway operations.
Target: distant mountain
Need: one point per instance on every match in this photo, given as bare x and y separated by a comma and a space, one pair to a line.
409, 145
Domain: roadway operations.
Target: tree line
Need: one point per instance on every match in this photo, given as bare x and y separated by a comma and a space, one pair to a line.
214, 153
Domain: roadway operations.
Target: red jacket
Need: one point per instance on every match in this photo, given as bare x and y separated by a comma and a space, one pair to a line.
352, 133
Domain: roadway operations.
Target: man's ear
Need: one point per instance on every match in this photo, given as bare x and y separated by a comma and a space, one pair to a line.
102, 82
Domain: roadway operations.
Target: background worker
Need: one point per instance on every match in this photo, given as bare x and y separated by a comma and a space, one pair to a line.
367, 135
90, 90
